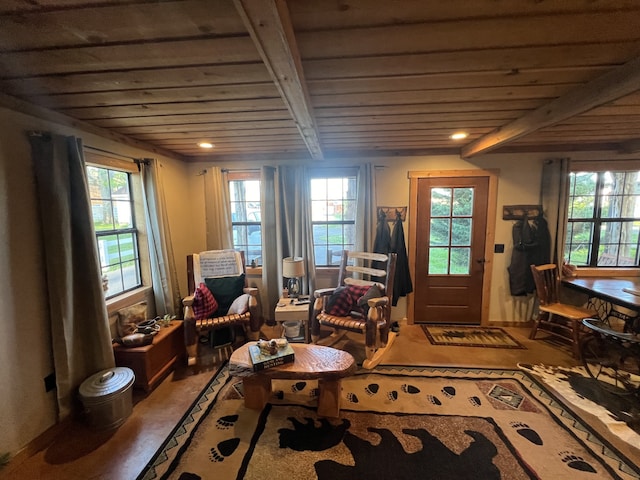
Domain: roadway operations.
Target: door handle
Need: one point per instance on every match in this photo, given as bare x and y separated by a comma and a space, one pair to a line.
481, 260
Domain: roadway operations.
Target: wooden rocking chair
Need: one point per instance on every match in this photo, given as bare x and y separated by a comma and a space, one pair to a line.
359, 273
211, 268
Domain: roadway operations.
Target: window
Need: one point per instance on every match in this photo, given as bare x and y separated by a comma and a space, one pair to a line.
333, 214
114, 223
245, 217
603, 219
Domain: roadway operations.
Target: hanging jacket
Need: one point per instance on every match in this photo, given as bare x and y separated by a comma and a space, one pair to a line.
382, 242
402, 284
531, 246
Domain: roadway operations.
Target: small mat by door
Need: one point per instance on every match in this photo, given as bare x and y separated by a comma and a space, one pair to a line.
463, 336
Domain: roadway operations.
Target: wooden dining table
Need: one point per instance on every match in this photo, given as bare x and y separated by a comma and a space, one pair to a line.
605, 293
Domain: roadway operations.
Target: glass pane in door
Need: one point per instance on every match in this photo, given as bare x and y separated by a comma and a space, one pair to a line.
450, 230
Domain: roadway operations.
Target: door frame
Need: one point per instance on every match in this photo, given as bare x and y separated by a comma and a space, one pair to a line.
492, 203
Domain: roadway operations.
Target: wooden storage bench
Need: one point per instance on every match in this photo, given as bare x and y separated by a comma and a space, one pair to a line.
153, 362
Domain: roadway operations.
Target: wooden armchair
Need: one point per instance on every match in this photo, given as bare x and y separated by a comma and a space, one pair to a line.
554, 317
220, 273
361, 303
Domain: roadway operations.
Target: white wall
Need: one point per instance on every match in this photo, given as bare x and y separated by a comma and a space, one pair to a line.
25, 355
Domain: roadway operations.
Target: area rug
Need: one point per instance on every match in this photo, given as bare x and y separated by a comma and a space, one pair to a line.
462, 336
616, 416
395, 423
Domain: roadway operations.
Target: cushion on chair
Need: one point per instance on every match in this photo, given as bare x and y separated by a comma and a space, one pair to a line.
373, 292
226, 290
130, 317
240, 305
345, 299
204, 303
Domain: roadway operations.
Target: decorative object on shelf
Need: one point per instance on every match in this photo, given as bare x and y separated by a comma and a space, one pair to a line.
293, 268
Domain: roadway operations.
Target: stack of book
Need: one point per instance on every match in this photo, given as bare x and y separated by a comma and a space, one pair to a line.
267, 354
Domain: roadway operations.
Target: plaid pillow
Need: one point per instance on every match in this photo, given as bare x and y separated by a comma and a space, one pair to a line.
345, 299
204, 303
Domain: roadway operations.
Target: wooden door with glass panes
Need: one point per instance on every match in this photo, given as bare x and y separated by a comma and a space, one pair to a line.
450, 245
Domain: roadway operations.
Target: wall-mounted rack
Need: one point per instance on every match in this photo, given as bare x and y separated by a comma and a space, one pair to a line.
392, 212
517, 212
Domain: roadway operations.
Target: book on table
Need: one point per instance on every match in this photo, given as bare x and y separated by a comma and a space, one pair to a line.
262, 360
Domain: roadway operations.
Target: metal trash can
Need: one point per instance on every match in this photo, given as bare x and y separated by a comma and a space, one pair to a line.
107, 397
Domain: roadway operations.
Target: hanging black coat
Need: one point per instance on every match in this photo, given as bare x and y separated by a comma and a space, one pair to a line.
402, 284
382, 242
531, 246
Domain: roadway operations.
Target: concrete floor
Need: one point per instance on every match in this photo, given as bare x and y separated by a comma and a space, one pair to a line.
76, 452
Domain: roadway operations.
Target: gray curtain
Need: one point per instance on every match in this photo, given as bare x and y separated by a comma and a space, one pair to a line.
366, 212
164, 276
271, 242
217, 210
554, 198
295, 210
286, 228
77, 311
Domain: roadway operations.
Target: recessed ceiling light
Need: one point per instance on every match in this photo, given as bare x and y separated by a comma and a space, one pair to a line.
459, 136
206, 145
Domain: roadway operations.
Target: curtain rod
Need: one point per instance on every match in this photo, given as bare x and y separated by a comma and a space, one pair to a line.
133, 159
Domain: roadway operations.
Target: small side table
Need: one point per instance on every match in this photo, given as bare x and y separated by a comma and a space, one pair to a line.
287, 310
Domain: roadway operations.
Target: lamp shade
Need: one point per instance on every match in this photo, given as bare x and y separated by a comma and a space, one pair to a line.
292, 267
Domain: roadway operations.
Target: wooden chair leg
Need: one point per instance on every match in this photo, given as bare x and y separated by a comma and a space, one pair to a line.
575, 335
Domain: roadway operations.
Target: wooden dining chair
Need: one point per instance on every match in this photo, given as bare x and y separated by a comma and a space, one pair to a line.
554, 317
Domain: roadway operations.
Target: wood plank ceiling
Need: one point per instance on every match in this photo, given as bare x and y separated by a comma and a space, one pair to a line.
321, 79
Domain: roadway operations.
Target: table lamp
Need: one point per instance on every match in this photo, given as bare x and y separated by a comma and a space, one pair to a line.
293, 268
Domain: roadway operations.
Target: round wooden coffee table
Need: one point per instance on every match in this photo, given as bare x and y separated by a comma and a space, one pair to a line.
327, 365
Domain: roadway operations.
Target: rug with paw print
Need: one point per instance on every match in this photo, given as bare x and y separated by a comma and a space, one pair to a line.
395, 423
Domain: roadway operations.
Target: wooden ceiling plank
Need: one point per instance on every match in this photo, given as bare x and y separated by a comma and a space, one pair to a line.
130, 56
270, 28
610, 86
540, 30
188, 118
242, 74
263, 132
453, 80
158, 95
484, 94
547, 57
430, 108
371, 121
232, 128
88, 24
326, 14
144, 110
630, 146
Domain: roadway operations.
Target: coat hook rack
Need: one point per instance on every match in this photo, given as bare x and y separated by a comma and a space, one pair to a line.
517, 212
392, 212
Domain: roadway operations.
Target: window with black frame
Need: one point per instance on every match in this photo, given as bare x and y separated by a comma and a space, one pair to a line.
603, 219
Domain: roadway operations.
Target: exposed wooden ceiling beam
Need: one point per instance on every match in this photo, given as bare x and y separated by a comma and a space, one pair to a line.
605, 88
269, 25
